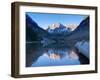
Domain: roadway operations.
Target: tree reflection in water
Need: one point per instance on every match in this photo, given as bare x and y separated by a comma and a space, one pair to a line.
37, 55
73, 53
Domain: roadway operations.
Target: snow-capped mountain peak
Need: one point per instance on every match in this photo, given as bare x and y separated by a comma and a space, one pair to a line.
56, 28
71, 27
56, 25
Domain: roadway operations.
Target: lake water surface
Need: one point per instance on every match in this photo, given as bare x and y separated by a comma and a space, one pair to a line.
38, 55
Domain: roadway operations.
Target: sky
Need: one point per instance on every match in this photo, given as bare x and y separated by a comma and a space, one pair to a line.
46, 19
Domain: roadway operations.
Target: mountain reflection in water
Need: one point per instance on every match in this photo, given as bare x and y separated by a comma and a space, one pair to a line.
52, 55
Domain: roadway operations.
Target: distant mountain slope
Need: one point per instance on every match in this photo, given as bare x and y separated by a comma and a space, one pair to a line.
82, 30
80, 33
33, 31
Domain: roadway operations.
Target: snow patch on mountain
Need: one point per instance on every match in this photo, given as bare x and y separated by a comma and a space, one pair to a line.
57, 28
72, 27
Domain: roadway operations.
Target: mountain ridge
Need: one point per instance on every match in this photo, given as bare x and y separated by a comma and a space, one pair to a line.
57, 28
35, 33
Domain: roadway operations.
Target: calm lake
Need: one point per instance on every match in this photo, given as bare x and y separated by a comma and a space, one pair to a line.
38, 55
